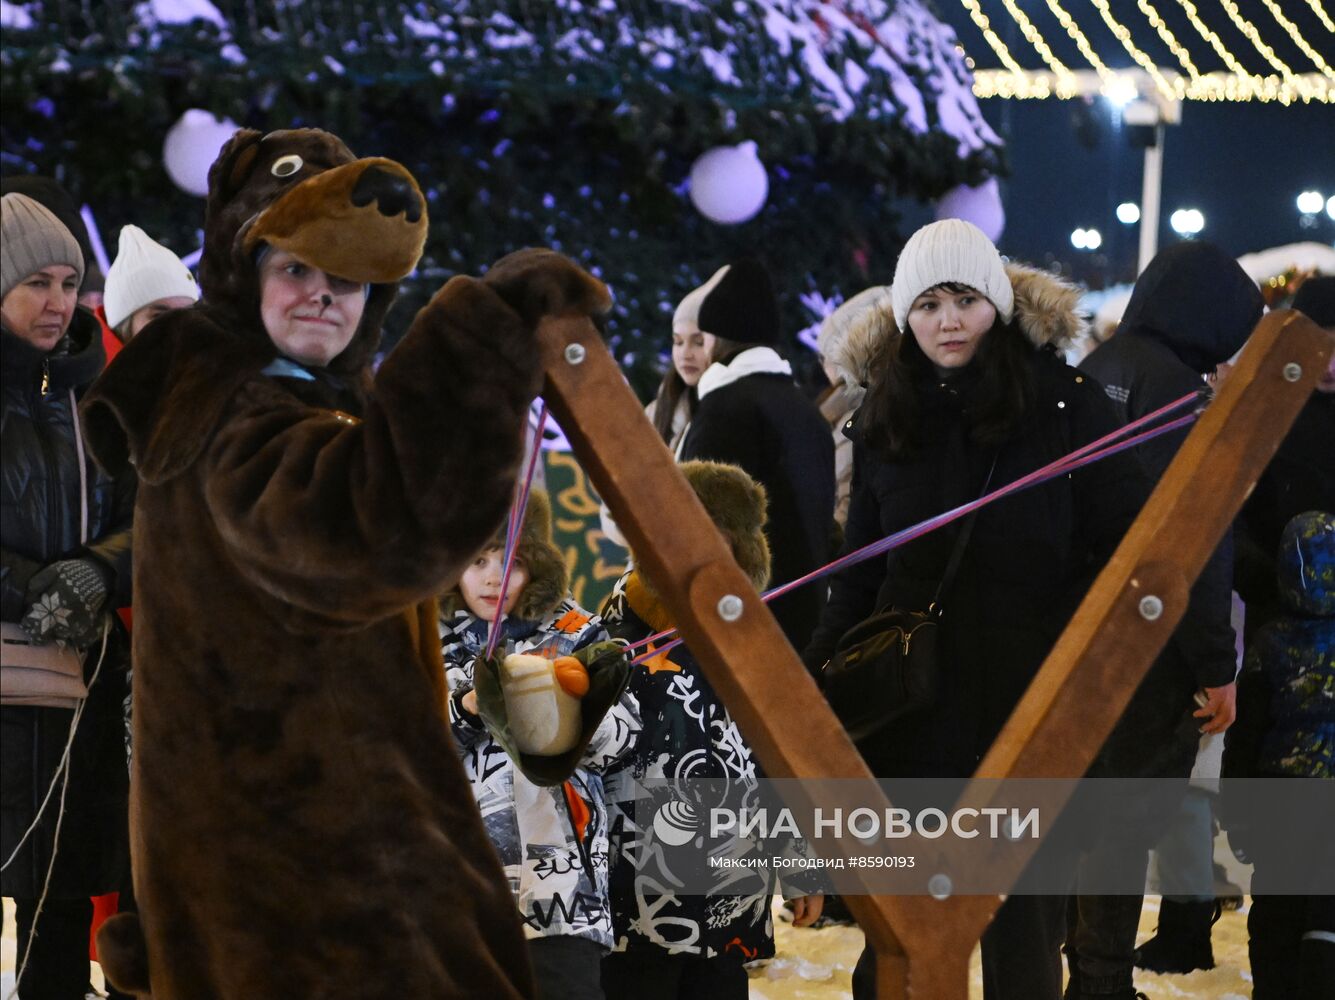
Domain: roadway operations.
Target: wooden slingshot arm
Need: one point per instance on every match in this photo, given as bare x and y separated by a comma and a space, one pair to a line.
729, 629
923, 944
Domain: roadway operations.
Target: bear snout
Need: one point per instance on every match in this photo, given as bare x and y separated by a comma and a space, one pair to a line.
392, 193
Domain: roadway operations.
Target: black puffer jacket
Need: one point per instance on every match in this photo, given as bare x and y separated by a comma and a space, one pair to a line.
1031, 556
39, 524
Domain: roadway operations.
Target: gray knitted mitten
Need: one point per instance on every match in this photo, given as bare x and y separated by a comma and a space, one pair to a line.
67, 601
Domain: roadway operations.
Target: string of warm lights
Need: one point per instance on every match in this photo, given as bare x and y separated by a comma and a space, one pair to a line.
1082, 43
1213, 87
1254, 36
1321, 13
1298, 38
1036, 39
993, 39
1202, 29
1146, 63
1169, 39
1237, 85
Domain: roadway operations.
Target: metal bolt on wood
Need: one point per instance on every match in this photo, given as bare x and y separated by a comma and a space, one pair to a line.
1293, 372
1151, 608
575, 353
730, 607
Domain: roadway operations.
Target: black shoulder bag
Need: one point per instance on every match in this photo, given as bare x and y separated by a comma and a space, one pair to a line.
886, 666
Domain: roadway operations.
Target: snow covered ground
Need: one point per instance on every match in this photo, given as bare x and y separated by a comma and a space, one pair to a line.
818, 964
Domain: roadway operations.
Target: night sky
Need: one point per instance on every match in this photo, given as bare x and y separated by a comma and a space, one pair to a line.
1241, 164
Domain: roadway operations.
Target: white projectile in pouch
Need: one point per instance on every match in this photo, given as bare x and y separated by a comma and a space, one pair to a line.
542, 701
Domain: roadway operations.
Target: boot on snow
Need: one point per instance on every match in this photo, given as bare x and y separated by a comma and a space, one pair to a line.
1181, 942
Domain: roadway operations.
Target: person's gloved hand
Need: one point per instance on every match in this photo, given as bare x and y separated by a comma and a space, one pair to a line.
537, 282
67, 601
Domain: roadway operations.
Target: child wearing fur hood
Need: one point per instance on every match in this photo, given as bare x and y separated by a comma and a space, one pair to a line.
552, 840
684, 927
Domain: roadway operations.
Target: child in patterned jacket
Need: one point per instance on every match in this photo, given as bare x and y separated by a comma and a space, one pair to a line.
552, 841
686, 926
1286, 729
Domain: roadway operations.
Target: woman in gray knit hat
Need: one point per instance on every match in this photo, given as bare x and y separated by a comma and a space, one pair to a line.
65, 537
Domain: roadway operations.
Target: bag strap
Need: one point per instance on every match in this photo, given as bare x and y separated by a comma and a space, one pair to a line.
83, 470
966, 529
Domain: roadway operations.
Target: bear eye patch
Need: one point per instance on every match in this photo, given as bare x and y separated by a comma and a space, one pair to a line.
286, 166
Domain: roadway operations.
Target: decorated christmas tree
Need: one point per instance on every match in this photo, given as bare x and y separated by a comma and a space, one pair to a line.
569, 124
573, 124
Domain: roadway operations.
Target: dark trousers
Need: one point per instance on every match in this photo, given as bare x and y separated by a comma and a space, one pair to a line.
1021, 952
1104, 914
1100, 941
566, 968
57, 966
656, 975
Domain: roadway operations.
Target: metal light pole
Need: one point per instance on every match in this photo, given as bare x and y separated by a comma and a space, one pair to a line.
1154, 114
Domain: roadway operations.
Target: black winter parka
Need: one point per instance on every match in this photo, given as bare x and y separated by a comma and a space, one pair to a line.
764, 424
1025, 569
1191, 310
39, 524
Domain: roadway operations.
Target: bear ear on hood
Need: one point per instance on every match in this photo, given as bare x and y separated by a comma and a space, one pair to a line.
233, 165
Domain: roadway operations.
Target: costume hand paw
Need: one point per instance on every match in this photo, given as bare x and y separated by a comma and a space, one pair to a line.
67, 601
537, 282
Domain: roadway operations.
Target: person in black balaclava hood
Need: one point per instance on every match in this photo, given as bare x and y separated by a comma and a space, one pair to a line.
1191, 310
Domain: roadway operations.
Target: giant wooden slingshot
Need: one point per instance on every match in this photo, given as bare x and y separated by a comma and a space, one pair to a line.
923, 943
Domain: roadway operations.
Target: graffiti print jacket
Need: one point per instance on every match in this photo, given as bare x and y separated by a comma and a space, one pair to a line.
552, 841
668, 889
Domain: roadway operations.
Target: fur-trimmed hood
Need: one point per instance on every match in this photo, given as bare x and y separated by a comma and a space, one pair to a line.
548, 577
1045, 311
737, 505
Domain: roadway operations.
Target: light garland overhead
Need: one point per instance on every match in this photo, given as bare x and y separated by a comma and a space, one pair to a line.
1036, 84
1082, 43
1239, 84
1035, 38
1321, 13
1202, 29
1169, 39
1146, 63
1298, 38
993, 39
1254, 36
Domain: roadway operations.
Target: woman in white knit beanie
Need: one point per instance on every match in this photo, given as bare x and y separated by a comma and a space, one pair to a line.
966, 393
145, 281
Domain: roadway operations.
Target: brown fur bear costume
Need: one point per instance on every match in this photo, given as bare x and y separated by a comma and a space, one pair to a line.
301, 826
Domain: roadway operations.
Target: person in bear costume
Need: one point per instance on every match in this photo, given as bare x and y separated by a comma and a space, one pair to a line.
300, 822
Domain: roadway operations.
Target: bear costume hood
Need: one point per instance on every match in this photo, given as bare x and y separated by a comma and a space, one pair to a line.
300, 190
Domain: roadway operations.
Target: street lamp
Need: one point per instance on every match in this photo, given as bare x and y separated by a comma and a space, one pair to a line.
1309, 202
1187, 221
1086, 239
1128, 213
1330, 206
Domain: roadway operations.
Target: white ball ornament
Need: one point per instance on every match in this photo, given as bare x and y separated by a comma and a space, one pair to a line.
729, 184
191, 146
980, 205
